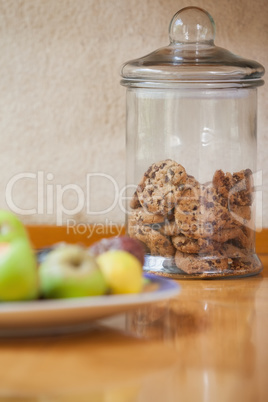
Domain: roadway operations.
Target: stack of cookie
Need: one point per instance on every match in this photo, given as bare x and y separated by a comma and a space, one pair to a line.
204, 228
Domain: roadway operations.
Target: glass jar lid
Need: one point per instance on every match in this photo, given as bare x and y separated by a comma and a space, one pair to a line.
192, 58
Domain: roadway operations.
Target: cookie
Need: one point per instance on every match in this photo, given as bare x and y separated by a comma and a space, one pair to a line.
243, 186
143, 217
169, 228
221, 236
240, 213
201, 264
196, 246
222, 182
134, 202
249, 264
190, 194
188, 187
157, 243
245, 238
159, 189
236, 188
199, 214
233, 251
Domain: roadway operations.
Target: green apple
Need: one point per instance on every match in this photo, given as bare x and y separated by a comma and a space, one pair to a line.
69, 271
123, 271
18, 265
11, 228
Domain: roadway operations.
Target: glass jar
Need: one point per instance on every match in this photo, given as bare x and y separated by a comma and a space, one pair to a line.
191, 153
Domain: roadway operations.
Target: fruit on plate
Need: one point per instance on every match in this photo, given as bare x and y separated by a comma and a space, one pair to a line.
122, 271
18, 266
123, 243
69, 271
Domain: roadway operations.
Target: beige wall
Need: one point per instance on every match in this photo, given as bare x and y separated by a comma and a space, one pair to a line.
62, 109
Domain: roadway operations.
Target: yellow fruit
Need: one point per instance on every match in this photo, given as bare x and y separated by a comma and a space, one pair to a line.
122, 271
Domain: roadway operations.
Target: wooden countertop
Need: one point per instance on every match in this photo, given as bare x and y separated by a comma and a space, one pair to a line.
209, 344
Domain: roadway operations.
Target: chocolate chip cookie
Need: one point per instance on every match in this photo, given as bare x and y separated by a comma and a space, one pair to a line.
169, 228
195, 246
144, 217
236, 188
200, 214
159, 189
201, 264
157, 243
240, 213
247, 265
134, 202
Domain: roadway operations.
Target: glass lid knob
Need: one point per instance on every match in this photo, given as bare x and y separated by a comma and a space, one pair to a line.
192, 25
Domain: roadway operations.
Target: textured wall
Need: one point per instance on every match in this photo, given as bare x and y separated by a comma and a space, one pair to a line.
62, 110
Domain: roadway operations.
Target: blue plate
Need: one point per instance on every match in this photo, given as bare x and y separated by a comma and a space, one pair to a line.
41, 317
